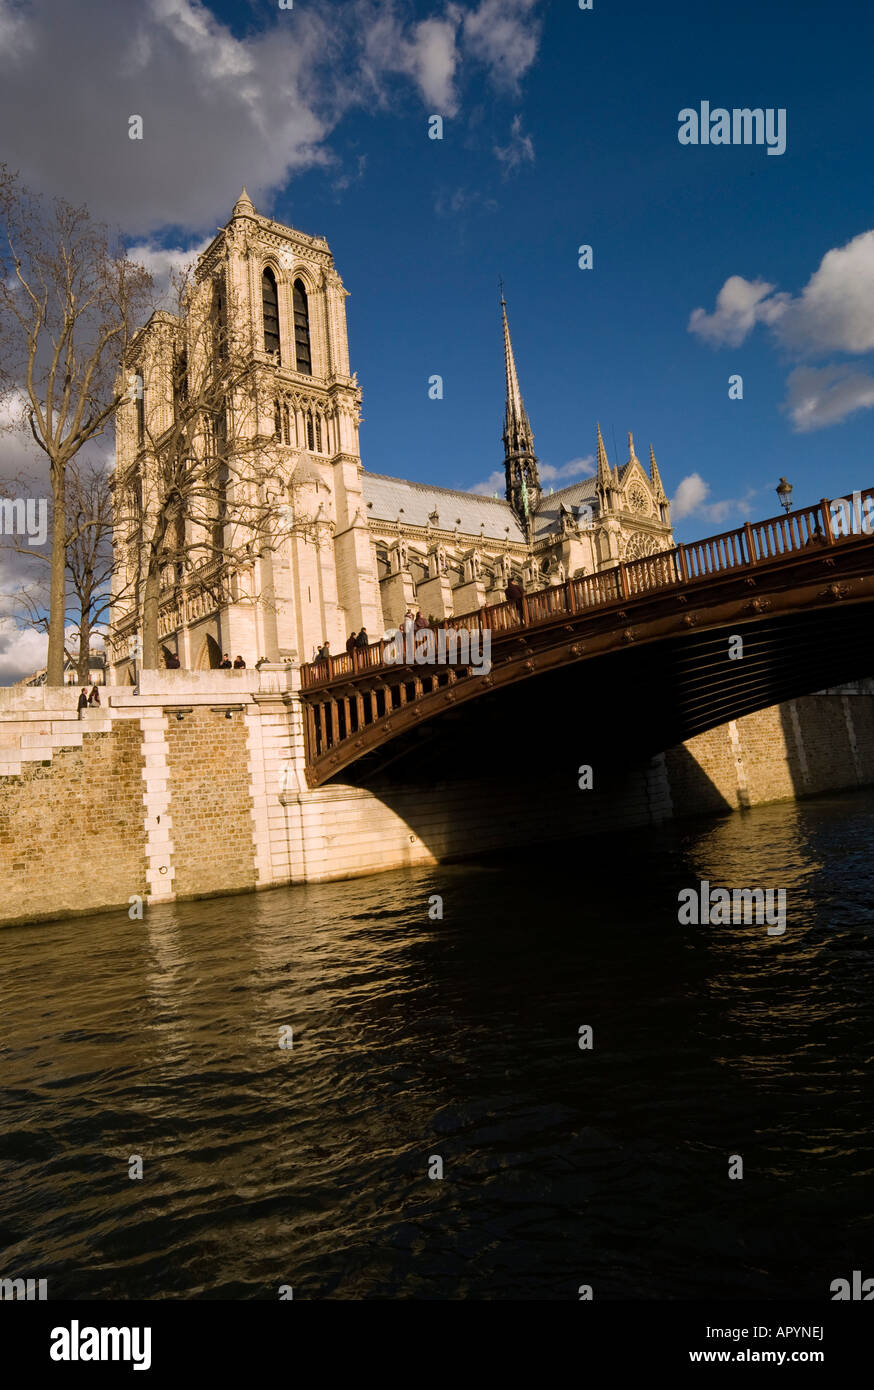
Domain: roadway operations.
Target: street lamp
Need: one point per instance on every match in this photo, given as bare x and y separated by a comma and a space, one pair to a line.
784, 492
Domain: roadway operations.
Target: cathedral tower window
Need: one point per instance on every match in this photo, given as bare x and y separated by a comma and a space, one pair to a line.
314, 431
219, 343
141, 411
302, 351
270, 305
281, 423
180, 383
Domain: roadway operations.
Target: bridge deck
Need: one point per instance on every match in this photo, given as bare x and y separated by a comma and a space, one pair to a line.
353, 702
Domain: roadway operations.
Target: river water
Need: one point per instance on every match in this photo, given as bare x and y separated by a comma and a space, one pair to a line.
457, 1039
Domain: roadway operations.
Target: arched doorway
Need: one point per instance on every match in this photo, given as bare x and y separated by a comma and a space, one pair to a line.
210, 654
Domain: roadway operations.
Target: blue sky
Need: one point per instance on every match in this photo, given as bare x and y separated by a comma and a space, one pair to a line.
422, 234
560, 129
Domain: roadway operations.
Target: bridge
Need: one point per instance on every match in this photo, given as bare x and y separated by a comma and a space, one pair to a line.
643, 655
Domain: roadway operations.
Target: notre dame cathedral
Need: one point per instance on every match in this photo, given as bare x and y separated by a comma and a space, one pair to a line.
378, 545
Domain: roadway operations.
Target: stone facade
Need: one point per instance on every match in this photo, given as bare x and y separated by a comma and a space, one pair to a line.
194, 786
360, 548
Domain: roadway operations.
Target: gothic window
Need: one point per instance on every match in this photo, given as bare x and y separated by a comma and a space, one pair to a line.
180, 383
639, 545
270, 306
314, 431
281, 422
302, 351
141, 410
220, 433
219, 345
637, 500
219, 506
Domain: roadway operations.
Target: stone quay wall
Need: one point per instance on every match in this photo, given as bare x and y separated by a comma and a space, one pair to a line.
195, 786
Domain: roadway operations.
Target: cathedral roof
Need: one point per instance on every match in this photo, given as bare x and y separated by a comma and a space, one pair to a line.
393, 499
547, 514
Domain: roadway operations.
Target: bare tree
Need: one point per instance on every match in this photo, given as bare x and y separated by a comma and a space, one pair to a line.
89, 566
69, 300
89, 556
207, 490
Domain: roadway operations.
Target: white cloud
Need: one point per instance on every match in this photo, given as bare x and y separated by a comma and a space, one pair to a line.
494, 483
689, 496
740, 305
518, 150
22, 651
690, 499
161, 262
833, 313
497, 483
219, 109
433, 57
577, 468
16, 36
820, 396
835, 310
505, 35
428, 54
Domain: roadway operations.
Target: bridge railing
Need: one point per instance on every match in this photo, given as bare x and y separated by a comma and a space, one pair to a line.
344, 664
752, 544
782, 535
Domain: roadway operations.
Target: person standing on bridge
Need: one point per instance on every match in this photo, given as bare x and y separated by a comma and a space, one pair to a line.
516, 594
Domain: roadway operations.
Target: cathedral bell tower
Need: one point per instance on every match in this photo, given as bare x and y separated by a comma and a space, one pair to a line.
520, 461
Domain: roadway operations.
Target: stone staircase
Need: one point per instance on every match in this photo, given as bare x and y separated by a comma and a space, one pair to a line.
35, 736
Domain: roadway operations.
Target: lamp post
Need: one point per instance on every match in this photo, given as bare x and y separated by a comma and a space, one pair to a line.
784, 492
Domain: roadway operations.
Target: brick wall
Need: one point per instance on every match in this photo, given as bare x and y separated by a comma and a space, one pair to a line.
210, 806
216, 801
815, 744
71, 831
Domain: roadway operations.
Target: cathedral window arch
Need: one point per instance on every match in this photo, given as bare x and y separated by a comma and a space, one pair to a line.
314, 431
270, 310
302, 346
219, 317
282, 422
141, 409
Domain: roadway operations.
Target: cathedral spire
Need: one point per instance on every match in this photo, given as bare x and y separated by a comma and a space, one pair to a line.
244, 207
605, 477
654, 474
520, 462
604, 480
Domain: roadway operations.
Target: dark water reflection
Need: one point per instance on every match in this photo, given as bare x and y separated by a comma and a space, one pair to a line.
457, 1038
